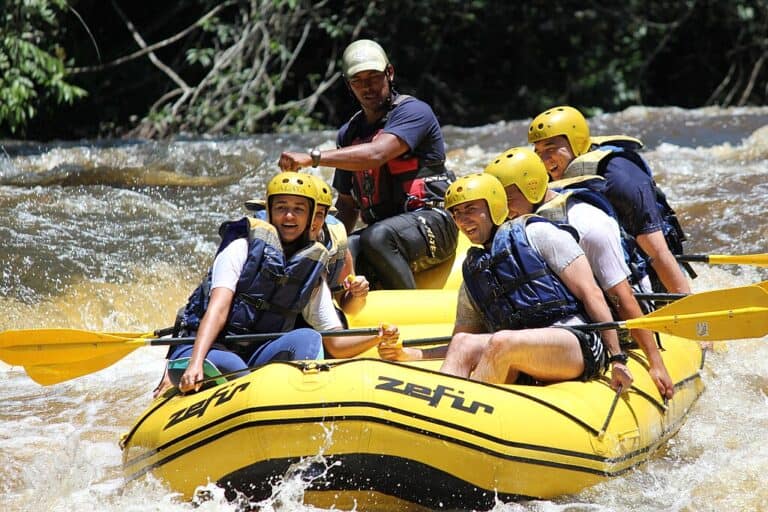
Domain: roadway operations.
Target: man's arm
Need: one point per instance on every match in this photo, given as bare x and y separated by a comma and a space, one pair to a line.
627, 308
663, 262
357, 157
577, 276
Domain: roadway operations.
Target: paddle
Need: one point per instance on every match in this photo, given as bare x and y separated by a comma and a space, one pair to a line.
660, 297
55, 355
611, 410
760, 260
728, 314
671, 297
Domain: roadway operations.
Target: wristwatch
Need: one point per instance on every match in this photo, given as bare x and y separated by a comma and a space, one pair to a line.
315, 154
621, 357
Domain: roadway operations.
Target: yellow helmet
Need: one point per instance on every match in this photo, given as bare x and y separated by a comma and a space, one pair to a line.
565, 121
523, 168
479, 186
295, 184
324, 194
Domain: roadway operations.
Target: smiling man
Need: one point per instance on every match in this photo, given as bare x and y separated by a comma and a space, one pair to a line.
561, 137
390, 172
522, 290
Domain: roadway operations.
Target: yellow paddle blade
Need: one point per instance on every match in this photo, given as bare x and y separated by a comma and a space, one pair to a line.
758, 260
728, 314
46, 347
47, 375
722, 325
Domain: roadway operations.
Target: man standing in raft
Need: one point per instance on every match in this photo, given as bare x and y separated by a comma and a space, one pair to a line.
561, 138
522, 288
390, 171
264, 275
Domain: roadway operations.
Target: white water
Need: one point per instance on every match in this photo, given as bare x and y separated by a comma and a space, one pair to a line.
59, 444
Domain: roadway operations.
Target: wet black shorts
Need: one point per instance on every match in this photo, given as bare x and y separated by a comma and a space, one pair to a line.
593, 350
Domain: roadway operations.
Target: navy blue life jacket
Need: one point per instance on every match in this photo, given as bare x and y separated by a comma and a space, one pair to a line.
335, 242
607, 147
512, 286
271, 290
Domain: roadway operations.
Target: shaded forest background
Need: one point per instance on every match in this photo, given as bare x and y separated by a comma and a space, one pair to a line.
95, 68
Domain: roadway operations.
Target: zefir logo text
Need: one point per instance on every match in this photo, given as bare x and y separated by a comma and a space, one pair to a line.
222, 395
432, 396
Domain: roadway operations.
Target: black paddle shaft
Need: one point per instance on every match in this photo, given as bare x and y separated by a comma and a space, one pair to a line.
186, 340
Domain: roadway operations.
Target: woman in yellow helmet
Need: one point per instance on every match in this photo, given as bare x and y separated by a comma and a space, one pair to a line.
349, 290
264, 276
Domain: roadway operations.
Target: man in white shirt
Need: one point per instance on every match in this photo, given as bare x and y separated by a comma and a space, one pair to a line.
525, 180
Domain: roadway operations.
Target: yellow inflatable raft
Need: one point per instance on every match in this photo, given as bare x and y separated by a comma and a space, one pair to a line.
374, 434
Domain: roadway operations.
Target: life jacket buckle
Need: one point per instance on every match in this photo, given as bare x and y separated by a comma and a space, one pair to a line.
257, 303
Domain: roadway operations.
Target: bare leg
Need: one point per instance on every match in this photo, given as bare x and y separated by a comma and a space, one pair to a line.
463, 353
549, 354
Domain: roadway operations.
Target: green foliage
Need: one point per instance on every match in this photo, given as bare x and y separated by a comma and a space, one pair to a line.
32, 70
245, 66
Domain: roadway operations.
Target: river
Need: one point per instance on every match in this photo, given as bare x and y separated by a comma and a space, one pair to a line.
114, 235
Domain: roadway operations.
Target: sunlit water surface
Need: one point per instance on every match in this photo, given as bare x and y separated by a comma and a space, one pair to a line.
113, 236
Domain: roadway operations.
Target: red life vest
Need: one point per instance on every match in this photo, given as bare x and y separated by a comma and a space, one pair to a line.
403, 184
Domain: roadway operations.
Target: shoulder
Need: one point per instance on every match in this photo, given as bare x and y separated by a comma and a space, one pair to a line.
412, 106
546, 238
539, 229
625, 164
348, 130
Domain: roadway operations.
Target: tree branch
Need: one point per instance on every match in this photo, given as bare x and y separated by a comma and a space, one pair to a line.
152, 57
752, 79
151, 48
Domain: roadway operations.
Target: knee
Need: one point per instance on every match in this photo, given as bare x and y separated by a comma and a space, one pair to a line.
466, 345
374, 237
311, 343
501, 343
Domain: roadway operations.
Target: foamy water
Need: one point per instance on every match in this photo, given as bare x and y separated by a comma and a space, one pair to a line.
124, 253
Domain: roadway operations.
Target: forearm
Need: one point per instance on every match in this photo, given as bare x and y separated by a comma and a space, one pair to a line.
358, 157
212, 323
628, 308
669, 273
210, 327
663, 262
598, 311
350, 304
340, 347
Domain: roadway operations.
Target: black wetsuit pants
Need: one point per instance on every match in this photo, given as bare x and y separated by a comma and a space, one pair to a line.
396, 247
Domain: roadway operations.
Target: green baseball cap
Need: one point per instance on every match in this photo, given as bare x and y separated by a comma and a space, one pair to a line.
363, 55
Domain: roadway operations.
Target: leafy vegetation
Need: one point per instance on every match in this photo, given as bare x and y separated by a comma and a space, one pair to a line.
244, 66
32, 66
